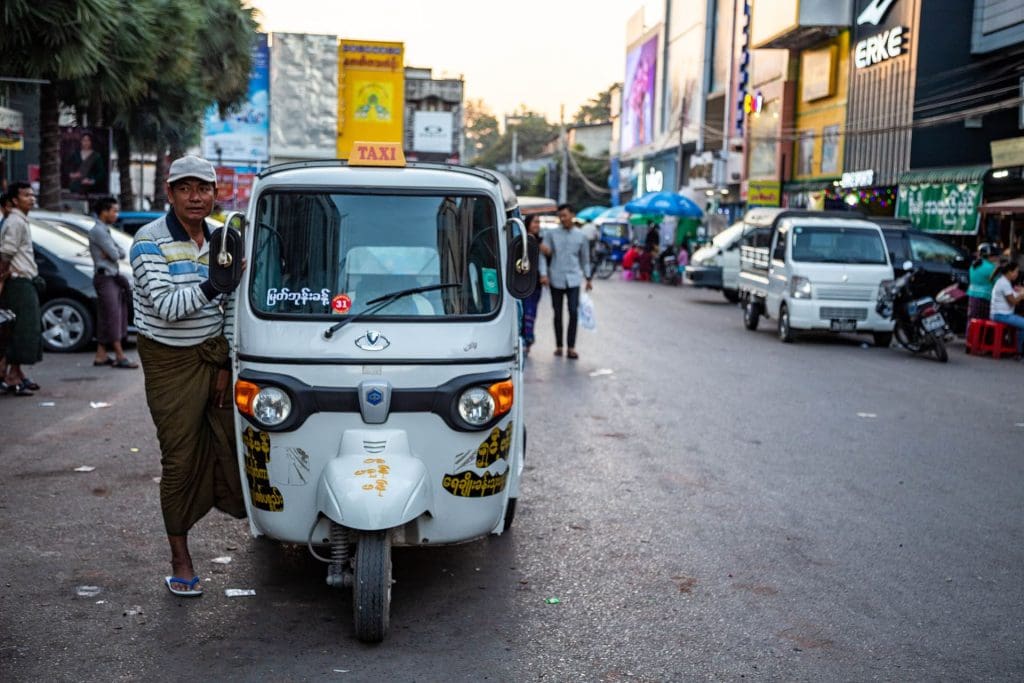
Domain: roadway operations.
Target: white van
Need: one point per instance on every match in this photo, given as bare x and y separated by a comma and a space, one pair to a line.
822, 271
717, 265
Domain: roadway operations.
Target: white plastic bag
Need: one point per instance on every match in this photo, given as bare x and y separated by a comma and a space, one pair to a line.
586, 312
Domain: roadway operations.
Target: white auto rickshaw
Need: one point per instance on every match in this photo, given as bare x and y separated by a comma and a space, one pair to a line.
378, 365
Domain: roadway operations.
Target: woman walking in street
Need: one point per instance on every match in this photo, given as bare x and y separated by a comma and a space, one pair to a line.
531, 302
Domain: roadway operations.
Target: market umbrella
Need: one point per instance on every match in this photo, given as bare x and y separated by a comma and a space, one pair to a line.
665, 204
616, 213
590, 213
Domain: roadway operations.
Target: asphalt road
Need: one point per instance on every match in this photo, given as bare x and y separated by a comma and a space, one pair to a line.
718, 506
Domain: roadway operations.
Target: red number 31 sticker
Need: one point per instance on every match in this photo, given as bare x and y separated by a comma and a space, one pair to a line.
341, 304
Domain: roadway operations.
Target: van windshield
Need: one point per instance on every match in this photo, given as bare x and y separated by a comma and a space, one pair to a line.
326, 255
838, 245
725, 238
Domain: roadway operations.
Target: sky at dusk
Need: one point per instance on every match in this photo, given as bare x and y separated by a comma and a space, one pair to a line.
541, 53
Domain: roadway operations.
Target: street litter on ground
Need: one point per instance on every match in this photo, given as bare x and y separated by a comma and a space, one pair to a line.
867, 415
85, 468
99, 404
602, 372
87, 591
239, 592
223, 559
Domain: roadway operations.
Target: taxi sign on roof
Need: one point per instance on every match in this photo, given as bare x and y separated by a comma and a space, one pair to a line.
376, 154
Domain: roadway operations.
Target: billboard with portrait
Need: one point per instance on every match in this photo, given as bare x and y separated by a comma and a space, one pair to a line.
638, 95
371, 93
243, 135
84, 162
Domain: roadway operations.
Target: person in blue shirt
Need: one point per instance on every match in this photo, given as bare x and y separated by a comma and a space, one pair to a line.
979, 293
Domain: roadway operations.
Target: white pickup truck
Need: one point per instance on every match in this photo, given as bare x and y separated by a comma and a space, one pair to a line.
821, 270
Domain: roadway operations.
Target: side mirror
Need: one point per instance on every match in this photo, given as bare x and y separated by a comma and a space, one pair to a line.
908, 265
523, 261
227, 253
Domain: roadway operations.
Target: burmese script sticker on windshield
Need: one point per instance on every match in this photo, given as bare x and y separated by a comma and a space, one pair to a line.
490, 278
341, 304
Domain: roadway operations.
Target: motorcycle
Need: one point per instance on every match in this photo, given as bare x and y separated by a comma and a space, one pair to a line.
669, 265
953, 305
920, 327
604, 261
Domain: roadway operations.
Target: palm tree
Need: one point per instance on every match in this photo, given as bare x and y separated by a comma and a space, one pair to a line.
55, 40
220, 76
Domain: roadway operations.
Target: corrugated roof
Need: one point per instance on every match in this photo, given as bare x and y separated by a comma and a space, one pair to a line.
946, 174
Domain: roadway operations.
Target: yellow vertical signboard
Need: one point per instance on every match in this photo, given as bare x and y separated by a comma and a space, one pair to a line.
371, 93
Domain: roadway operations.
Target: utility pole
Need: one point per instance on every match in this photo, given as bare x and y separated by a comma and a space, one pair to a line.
515, 154
679, 157
563, 183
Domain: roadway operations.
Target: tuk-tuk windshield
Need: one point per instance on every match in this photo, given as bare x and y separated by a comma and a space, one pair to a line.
322, 254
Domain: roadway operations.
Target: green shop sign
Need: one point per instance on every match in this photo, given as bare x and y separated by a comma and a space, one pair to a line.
949, 208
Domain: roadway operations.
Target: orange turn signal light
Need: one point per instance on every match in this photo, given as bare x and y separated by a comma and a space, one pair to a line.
245, 394
502, 393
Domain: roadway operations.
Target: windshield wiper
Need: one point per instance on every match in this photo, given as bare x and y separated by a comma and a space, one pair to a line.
383, 301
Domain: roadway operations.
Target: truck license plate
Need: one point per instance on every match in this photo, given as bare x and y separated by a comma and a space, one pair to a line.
844, 325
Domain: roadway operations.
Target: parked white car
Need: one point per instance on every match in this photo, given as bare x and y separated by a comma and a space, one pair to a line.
717, 265
822, 271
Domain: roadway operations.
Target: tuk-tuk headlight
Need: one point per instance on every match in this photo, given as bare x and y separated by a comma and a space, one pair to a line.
476, 406
272, 406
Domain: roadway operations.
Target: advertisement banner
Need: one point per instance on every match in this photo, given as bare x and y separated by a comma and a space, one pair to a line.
371, 93
432, 132
12, 130
84, 162
638, 95
764, 193
945, 208
244, 135
234, 187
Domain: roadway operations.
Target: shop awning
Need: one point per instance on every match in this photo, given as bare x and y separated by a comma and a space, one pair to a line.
815, 185
946, 174
1005, 206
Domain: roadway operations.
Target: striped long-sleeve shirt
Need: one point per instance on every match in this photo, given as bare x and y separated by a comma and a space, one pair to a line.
175, 304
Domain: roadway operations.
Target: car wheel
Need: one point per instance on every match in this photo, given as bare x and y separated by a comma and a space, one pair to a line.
751, 314
67, 325
785, 332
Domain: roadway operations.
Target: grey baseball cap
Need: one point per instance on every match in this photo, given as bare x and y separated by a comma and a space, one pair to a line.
191, 167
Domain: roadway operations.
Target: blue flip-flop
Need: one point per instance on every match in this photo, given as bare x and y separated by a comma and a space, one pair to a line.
192, 590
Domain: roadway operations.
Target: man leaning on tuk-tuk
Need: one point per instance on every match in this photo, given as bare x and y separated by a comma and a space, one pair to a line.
183, 325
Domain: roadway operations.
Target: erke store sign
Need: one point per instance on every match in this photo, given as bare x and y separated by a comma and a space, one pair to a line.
882, 46
879, 48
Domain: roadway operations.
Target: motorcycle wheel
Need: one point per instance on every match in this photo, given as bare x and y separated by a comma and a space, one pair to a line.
939, 348
371, 586
605, 269
906, 340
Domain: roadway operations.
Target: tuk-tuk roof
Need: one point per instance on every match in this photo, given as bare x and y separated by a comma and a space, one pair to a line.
531, 205
414, 175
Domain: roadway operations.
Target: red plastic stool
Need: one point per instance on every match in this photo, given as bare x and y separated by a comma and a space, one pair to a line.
989, 336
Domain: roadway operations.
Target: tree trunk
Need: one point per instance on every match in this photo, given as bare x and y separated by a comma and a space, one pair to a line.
49, 152
159, 202
123, 145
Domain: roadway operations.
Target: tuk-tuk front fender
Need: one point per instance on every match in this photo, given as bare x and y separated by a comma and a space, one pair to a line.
373, 492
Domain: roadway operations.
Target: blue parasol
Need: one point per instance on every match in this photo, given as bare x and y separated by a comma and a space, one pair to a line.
590, 213
665, 204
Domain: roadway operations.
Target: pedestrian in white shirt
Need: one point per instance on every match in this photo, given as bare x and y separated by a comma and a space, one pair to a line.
1005, 297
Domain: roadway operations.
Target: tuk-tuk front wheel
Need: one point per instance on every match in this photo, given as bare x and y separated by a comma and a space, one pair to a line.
371, 586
